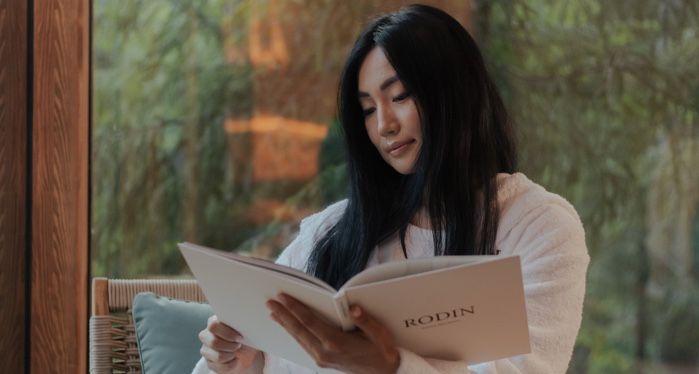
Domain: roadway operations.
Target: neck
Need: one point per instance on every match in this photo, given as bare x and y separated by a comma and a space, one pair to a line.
422, 218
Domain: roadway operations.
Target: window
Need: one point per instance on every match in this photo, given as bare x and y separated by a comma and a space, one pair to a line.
213, 122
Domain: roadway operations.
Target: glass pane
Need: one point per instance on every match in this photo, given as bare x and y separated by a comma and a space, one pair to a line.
213, 122
605, 97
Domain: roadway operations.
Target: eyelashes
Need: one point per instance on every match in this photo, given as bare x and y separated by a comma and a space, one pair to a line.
401, 97
367, 112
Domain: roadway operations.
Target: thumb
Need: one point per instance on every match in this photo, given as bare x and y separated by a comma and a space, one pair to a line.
374, 330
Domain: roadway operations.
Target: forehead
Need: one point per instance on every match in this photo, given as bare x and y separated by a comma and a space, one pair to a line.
375, 69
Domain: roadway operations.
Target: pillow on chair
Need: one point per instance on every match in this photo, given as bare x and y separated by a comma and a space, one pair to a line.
167, 332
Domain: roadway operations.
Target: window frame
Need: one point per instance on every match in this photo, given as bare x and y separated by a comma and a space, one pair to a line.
44, 190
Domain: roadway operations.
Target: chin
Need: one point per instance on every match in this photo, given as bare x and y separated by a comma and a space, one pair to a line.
402, 166
404, 169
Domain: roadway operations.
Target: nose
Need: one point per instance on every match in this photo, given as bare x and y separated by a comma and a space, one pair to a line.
388, 123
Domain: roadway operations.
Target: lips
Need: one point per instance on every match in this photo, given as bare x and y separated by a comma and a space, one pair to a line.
396, 148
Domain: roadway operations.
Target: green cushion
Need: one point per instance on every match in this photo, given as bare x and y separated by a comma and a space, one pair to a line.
167, 332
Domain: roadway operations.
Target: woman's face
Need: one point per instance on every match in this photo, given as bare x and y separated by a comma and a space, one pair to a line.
390, 113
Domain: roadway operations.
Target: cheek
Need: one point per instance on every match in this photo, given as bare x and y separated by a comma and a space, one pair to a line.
410, 118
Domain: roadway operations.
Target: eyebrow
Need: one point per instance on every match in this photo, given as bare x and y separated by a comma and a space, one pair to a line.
388, 82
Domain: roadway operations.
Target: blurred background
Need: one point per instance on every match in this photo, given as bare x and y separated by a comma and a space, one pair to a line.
214, 122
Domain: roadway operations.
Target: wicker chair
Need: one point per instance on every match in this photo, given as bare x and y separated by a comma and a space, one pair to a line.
112, 337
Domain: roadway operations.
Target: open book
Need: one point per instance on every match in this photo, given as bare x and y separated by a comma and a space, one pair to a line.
468, 308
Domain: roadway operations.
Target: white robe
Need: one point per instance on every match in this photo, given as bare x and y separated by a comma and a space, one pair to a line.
541, 227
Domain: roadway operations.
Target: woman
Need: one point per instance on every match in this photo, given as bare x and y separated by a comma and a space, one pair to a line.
431, 159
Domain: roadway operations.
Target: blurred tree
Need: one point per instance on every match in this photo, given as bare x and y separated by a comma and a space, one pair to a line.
596, 88
605, 96
162, 90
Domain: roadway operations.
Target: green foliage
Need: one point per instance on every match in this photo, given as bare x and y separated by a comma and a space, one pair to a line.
678, 340
161, 95
594, 88
604, 94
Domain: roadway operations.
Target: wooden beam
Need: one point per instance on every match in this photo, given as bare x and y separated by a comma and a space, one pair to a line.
60, 150
100, 296
13, 184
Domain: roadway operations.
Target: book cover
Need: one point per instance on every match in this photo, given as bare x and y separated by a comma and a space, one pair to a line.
467, 308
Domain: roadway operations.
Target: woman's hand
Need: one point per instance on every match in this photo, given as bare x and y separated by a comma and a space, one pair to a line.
222, 350
369, 350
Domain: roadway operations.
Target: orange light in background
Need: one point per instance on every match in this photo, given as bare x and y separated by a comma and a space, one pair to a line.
275, 51
281, 148
267, 123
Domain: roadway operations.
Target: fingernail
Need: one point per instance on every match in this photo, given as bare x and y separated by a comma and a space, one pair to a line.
356, 311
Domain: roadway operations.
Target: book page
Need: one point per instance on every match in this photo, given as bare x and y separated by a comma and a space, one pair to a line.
397, 269
237, 292
265, 264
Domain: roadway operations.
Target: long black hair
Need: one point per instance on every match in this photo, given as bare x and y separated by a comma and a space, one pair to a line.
467, 140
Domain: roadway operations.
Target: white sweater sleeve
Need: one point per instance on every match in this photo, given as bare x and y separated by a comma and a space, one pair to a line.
551, 243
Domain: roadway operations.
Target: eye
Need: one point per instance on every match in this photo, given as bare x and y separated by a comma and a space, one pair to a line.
367, 112
401, 97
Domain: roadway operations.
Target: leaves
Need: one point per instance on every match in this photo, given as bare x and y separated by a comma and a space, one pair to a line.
599, 93
604, 95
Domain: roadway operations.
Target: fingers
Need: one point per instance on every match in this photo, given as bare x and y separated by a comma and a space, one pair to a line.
220, 346
374, 331
215, 342
222, 330
219, 361
222, 350
215, 356
293, 325
324, 331
329, 346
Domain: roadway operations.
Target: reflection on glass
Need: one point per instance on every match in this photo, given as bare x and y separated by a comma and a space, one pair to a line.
213, 123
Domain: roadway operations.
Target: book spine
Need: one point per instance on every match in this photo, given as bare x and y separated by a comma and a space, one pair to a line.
342, 309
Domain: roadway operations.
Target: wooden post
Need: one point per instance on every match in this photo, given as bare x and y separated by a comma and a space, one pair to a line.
60, 150
13, 183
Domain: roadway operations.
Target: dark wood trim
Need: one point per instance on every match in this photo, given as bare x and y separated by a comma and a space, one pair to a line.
60, 128
13, 183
